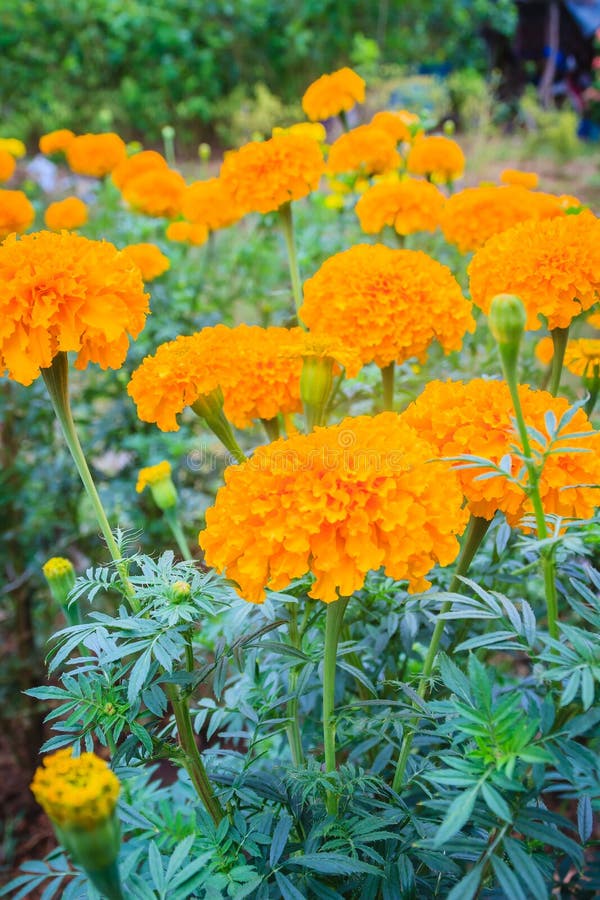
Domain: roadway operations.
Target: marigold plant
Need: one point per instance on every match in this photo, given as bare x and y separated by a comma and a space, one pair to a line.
476, 418
157, 192
437, 157
95, 155
408, 206
56, 141
333, 94
552, 265
69, 213
62, 292
149, 259
16, 213
388, 305
336, 503
7, 165
367, 150
76, 791
210, 204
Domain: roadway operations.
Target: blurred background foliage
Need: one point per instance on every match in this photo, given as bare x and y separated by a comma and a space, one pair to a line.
135, 65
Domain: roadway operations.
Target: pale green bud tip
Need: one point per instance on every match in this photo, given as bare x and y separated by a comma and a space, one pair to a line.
449, 127
180, 591
204, 151
168, 132
507, 319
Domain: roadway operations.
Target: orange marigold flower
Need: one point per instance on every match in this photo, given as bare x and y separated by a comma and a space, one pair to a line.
472, 216
61, 292
408, 206
582, 357
95, 154
138, 164
263, 175
552, 265
439, 158
528, 180
209, 203
594, 320
76, 792
366, 149
476, 419
149, 260
69, 213
386, 304
157, 192
16, 213
399, 124
568, 202
55, 141
186, 233
332, 94
544, 351
313, 130
7, 165
338, 503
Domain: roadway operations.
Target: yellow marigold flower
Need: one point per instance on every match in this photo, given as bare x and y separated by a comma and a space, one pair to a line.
14, 146
582, 357
210, 204
397, 123
594, 320
57, 566
476, 419
151, 475
60, 575
95, 155
528, 180
332, 94
138, 164
56, 141
149, 260
74, 791
338, 503
386, 304
69, 213
262, 176
186, 233
16, 213
157, 192
439, 158
7, 165
334, 201
313, 130
552, 265
544, 351
408, 206
61, 292
474, 215
367, 150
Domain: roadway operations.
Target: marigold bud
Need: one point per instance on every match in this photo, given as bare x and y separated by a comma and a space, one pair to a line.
204, 151
60, 575
158, 479
180, 592
507, 319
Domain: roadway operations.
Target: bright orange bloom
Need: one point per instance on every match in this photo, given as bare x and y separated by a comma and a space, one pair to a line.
7, 165
437, 157
552, 265
397, 123
408, 206
209, 203
544, 351
69, 213
95, 155
474, 215
528, 180
138, 164
313, 130
186, 233
386, 304
157, 192
594, 320
55, 141
476, 419
332, 94
367, 150
149, 260
263, 175
337, 503
582, 357
16, 213
61, 292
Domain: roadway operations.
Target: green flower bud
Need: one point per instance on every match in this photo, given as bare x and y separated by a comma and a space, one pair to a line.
204, 152
507, 319
60, 576
180, 592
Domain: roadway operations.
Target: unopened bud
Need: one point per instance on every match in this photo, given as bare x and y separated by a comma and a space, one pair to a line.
204, 152
158, 479
60, 576
507, 319
180, 592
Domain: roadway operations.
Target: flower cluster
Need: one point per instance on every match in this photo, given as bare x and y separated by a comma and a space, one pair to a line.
552, 265
210, 204
61, 292
388, 305
263, 175
332, 94
16, 213
367, 150
338, 503
476, 418
156, 192
149, 259
95, 155
436, 157
69, 213
74, 791
408, 206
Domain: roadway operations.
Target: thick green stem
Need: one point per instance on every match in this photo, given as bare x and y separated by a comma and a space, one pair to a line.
287, 224
387, 378
107, 881
560, 336
593, 386
474, 535
56, 379
210, 409
333, 626
293, 726
177, 531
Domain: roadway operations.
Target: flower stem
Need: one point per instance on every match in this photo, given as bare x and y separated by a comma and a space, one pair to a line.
333, 626
560, 336
293, 726
474, 535
271, 427
287, 224
174, 524
387, 378
56, 379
